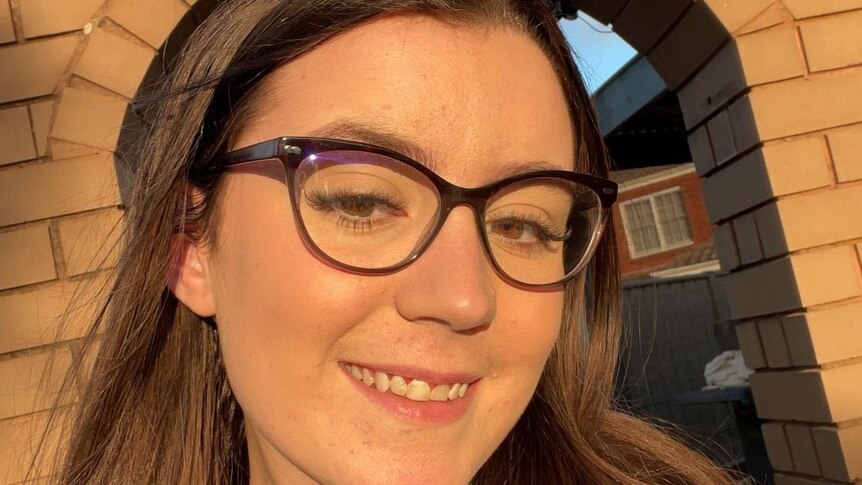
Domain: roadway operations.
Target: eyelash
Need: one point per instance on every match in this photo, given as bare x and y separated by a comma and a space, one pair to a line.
545, 233
326, 202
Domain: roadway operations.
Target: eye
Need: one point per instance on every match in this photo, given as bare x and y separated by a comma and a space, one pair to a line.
513, 229
360, 206
354, 205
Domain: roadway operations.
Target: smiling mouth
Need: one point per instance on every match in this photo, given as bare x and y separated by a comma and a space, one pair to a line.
410, 388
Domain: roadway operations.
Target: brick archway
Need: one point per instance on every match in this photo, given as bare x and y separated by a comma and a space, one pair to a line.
771, 100
775, 128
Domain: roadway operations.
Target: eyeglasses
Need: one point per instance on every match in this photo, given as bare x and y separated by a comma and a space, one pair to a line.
371, 210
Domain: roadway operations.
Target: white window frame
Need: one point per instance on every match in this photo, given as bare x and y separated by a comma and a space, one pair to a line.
663, 246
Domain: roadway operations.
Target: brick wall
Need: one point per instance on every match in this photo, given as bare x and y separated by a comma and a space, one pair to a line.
770, 97
68, 71
701, 230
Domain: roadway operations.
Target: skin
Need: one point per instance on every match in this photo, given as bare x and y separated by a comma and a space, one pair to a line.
479, 101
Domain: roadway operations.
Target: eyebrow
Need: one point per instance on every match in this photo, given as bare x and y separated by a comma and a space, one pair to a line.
373, 134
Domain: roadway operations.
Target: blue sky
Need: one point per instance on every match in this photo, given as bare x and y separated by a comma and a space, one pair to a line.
599, 55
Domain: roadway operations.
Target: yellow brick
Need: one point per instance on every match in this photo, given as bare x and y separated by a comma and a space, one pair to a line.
34, 69
114, 62
45, 17
804, 105
736, 14
701, 150
19, 437
642, 23
833, 42
744, 124
802, 449
747, 240
790, 395
770, 231
725, 246
807, 8
788, 284
770, 55
829, 330
34, 318
41, 113
839, 451
50, 189
782, 479
7, 31
811, 220
737, 187
26, 257
689, 42
841, 386
714, 84
749, 343
797, 165
63, 150
30, 383
90, 242
825, 276
721, 136
773, 15
774, 343
777, 447
89, 118
16, 143
846, 145
152, 20
764, 289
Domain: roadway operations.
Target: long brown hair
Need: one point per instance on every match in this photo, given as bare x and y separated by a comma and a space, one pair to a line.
157, 406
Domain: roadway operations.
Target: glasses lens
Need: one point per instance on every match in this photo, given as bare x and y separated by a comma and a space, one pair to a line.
540, 230
363, 209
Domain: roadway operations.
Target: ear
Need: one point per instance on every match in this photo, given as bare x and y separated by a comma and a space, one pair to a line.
189, 277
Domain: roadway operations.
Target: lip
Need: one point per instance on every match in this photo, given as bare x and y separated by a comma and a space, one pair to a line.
433, 413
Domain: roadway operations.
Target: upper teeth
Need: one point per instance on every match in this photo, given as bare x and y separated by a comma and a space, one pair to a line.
416, 389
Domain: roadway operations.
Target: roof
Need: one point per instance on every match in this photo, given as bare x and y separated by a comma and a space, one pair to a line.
700, 253
631, 174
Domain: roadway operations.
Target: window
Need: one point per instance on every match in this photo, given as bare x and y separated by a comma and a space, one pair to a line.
656, 223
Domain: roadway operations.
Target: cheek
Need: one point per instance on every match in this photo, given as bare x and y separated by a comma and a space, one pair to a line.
278, 307
522, 344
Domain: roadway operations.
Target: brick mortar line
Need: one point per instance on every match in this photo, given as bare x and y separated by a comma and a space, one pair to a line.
786, 139
821, 16
820, 307
47, 412
110, 25
48, 219
812, 77
832, 245
42, 38
77, 81
49, 348
59, 255
26, 102
83, 278
797, 34
17, 21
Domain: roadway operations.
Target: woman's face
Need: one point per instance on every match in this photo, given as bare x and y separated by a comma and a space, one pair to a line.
479, 103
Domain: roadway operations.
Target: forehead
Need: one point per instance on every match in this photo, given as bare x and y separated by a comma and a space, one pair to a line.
471, 99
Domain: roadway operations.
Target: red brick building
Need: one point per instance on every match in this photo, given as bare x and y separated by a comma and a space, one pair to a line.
661, 223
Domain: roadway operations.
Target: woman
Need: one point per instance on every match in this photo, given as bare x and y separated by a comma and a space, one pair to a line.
356, 254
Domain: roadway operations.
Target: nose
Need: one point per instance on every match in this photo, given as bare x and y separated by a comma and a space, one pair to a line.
452, 282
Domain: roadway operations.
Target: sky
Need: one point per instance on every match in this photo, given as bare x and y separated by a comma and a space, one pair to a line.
599, 55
